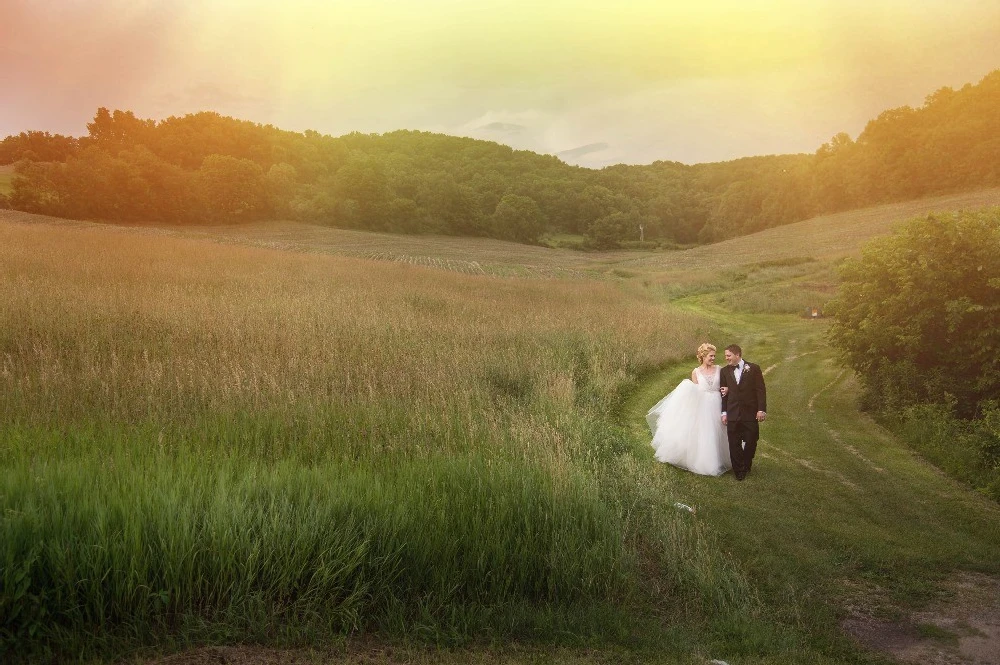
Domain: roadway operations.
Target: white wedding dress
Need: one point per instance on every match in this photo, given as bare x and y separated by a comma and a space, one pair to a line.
687, 427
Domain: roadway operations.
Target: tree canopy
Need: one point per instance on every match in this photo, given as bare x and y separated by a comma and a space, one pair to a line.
207, 168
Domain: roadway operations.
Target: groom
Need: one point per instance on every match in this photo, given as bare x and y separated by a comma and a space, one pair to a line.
744, 406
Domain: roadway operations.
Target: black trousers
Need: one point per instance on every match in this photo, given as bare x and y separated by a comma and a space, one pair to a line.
743, 435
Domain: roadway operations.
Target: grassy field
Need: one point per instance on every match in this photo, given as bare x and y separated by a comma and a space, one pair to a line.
842, 525
211, 439
205, 440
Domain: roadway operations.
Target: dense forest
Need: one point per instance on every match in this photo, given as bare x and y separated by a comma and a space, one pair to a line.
206, 168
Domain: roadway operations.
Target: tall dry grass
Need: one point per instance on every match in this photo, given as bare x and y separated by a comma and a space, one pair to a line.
136, 328
220, 442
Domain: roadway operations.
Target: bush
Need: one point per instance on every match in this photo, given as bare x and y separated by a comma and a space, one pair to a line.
966, 449
918, 315
518, 218
607, 232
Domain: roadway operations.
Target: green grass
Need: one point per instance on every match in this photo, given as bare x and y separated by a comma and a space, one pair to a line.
967, 450
564, 240
249, 549
221, 541
934, 632
182, 466
206, 443
837, 513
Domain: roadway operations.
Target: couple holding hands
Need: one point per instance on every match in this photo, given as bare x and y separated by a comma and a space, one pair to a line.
710, 423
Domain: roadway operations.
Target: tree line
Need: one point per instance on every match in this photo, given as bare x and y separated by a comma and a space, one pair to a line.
207, 168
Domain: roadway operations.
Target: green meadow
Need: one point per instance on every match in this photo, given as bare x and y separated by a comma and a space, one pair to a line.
326, 444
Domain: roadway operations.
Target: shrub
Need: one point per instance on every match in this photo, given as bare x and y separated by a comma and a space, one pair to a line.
967, 449
918, 315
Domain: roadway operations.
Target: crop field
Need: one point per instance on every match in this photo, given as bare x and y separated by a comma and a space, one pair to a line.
827, 237
824, 238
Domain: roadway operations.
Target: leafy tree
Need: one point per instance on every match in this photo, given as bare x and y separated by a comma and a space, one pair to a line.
598, 201
363, 183
314, 203
281, 182
918, 315
232, 189
419, 182
611, 230
490, 187
33, 189
403, 216
158, 190
97, 185
116, 131
448, 206
518, 218
37, 146
736, 209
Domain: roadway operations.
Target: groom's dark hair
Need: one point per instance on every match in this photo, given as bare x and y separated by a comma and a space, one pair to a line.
735, 348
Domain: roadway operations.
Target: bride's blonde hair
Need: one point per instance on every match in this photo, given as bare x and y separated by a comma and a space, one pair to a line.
704, 350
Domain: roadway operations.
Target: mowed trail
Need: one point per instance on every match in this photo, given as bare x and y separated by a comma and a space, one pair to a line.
833, 494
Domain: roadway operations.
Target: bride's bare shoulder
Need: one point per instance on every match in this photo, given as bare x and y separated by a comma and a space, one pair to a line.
694, 375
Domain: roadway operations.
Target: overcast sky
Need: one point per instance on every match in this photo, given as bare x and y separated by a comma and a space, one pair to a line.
596, 82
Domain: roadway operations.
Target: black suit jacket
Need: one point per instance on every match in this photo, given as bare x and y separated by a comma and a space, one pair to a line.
746, 397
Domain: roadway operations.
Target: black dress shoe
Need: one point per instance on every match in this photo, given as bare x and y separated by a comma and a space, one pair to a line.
740, 476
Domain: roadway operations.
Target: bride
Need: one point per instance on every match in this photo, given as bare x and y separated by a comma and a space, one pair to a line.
687, 424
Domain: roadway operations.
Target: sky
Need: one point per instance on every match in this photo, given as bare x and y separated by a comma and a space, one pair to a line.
596, 83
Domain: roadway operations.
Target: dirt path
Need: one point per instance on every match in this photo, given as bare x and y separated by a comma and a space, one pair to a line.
963, 626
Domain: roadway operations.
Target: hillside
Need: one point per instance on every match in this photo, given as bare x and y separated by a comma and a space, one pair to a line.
824, 237
208, 169
188, 413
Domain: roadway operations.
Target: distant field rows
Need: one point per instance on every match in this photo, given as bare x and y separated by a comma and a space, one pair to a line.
475, 267
826, 237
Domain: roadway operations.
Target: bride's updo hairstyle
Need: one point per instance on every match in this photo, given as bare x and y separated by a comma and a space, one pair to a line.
704, 350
